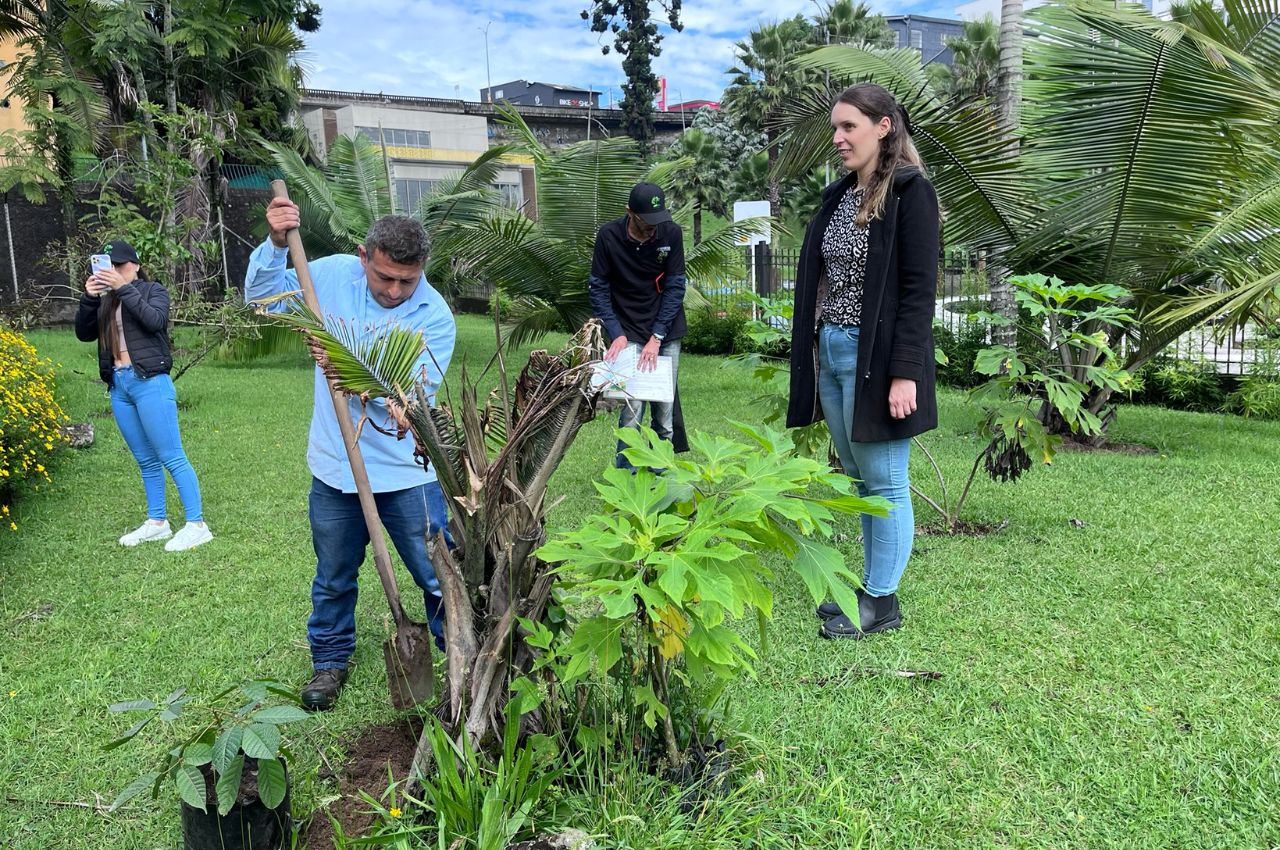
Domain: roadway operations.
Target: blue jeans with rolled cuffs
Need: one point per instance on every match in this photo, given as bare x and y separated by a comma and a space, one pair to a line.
341, 538
879, 468
146, 412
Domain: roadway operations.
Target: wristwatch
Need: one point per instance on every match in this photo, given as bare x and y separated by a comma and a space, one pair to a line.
659, 337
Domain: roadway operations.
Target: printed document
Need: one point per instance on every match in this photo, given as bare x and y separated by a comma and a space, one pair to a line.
623, 379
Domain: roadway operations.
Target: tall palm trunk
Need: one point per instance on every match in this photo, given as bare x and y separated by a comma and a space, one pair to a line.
1009, 95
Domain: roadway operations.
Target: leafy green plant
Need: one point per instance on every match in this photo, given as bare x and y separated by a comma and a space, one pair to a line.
710, 333
672, 557
219, 738
960, 348
1068, 359
770, 339
475, 804
1259, 392
1181, 384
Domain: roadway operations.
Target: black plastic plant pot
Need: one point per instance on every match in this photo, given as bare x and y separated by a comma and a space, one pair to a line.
250, 825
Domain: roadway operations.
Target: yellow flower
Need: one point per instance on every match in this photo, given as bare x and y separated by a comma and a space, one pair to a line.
395, 812
12, 694
13, 526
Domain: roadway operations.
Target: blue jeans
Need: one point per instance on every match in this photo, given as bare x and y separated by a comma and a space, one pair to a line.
663, 412
880, 468
146, 411
340, 538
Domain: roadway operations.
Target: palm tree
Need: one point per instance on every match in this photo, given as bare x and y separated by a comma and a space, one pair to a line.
976, 66
841, 22
339, 202
763, 84
1010, 74
700, 178
542, 266
1108, 185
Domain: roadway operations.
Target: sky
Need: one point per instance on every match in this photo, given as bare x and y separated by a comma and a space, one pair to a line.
436, 48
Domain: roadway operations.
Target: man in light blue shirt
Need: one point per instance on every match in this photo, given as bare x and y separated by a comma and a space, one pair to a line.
383, 284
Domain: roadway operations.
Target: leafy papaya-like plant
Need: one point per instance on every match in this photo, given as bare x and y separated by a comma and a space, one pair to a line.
672, 559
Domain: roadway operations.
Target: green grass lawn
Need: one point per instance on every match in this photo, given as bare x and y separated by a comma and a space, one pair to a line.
1113, 682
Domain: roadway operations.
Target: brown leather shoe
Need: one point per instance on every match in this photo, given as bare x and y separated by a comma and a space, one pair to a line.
322, 691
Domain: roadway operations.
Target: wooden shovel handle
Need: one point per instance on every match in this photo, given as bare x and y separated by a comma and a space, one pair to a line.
381, 557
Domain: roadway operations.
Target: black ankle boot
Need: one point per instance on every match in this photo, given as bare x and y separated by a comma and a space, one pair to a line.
828, 610
875, 614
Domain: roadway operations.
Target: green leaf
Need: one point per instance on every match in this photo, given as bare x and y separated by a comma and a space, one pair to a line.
595, 641
190, 782
278, 714
228, 787
227, 747
197, 754
272, 783
129, 733
132, 705
261, 741
133, 789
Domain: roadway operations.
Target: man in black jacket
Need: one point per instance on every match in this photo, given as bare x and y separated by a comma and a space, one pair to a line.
637, 288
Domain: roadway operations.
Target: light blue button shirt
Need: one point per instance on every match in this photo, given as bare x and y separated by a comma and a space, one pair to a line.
343, 293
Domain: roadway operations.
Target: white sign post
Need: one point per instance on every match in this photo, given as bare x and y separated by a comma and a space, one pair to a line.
759, 210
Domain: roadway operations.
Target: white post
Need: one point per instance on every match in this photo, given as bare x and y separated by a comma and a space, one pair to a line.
13, 264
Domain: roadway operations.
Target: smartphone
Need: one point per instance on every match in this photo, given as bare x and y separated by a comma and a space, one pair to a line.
100, 262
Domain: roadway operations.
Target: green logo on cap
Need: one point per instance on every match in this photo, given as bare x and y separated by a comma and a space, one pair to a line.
106, 249
656, 202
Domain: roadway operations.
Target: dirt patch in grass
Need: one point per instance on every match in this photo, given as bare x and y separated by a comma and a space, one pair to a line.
368, 753
963, 527
1110, 447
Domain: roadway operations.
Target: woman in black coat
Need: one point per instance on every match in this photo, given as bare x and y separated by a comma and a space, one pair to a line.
862, 334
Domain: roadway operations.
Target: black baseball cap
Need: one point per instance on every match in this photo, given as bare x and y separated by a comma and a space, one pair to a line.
121, 251
650, 203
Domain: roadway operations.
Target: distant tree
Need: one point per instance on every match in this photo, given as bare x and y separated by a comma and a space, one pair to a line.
976, 66
842, 22
763, 84
701, 177
636, 37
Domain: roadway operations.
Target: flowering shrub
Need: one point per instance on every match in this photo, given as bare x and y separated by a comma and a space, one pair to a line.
30, 417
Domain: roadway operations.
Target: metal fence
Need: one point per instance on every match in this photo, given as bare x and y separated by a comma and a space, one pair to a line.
963, 291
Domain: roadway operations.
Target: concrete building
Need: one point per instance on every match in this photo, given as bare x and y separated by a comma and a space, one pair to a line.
927, 36
431, 139
526, 93
423, 147
12, 115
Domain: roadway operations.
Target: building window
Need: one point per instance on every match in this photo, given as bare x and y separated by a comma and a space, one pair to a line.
897, 38
917, 39
497, 95
411, 190
512, 195
397, 138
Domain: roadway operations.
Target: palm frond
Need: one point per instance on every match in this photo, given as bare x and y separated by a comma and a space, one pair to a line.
980, 182
380, 364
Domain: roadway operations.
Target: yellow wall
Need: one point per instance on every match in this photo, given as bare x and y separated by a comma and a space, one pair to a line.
11, 117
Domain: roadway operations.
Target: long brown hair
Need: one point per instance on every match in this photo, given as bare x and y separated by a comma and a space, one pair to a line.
896, 148
107, 319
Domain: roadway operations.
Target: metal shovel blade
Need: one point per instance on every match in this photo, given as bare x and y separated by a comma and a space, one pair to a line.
407, 654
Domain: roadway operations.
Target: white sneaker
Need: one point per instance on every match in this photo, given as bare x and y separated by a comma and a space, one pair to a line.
189, 537
146, 532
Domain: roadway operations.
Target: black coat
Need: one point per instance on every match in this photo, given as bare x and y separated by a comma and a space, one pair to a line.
145, 313
896, 339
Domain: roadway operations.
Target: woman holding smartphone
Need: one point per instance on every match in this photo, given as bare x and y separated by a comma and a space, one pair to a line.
129, 318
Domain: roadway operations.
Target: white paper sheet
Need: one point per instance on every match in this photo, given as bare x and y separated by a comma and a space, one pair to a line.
622, 378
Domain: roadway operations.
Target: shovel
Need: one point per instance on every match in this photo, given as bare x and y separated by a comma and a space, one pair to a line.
407, 653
